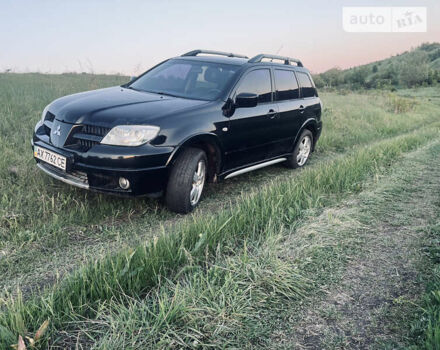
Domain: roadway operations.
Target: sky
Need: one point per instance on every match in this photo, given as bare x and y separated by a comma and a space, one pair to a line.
128, 37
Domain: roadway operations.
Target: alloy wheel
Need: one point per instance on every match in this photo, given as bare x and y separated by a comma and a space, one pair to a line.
198, 182
305, 147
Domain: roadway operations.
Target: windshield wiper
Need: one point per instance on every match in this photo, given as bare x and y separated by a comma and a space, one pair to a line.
154, 92
164, 93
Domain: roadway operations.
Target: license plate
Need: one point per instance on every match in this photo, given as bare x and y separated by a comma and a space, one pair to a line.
50, 157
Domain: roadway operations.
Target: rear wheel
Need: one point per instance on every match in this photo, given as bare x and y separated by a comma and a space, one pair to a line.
302, 151
186, 181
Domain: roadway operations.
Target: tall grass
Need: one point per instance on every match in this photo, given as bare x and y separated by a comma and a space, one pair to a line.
214, 305
136, 272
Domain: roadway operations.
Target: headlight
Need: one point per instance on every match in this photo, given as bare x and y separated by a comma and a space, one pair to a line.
130, 135
44, 113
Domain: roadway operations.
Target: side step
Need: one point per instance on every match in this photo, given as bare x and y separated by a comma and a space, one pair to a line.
255, 167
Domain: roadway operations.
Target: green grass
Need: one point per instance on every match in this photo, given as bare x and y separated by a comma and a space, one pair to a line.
135, 272
217, 305
426, 326
207, 256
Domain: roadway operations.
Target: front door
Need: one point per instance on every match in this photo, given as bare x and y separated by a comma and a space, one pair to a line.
252, 131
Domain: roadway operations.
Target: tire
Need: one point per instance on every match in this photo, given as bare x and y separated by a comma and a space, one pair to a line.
186, 181
303, 146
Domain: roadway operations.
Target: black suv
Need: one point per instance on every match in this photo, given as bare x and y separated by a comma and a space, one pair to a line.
203, 116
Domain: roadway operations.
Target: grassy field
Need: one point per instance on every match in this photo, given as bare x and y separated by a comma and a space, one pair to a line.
112, 273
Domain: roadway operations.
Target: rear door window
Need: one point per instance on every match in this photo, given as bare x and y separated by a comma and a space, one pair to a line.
286, 85
257, 82
307, 89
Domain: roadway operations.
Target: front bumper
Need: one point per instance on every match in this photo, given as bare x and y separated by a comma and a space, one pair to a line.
100, 168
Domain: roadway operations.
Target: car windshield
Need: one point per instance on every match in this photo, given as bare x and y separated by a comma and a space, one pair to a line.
188, 79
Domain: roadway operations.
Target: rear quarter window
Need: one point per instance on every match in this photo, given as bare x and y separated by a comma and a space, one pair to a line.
307, 88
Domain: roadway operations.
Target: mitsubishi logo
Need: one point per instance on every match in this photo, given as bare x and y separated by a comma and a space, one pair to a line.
57, 132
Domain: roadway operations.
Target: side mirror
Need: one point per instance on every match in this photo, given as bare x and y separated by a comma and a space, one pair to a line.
246, 100
132, 78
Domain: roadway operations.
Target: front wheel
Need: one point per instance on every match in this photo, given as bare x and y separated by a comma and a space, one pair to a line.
302, 150
186, 181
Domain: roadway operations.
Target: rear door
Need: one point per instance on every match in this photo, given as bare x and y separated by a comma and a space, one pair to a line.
252, 131
309, 96
290, 109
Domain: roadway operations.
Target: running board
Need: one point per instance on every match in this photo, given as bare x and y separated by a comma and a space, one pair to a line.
255, 167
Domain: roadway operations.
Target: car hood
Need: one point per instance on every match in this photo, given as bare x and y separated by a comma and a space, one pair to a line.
118, 106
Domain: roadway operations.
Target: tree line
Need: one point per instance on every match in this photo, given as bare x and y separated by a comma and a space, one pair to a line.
418, 67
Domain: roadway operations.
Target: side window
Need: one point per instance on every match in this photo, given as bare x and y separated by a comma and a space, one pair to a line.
257, 82
306, 85
286, 84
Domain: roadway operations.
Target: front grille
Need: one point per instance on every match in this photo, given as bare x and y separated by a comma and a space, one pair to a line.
95, 130
81, 137
84, 137
86, 144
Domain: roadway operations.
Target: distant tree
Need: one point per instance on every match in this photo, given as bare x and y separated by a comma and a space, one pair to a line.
375, 69
319, 82
333, 77
356, 77
359, 75
414, 69
434, 54
390, 74
429, 46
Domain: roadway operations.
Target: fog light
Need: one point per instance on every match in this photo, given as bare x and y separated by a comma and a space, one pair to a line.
124, 183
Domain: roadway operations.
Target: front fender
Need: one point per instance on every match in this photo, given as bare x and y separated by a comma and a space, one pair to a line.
209, 142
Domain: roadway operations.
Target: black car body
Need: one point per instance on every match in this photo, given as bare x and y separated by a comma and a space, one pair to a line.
243, 114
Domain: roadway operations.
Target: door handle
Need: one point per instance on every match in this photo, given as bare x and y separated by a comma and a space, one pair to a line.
301, 109
272, 113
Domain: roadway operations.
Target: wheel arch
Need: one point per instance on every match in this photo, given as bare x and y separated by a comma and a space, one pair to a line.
309, 124
210, 144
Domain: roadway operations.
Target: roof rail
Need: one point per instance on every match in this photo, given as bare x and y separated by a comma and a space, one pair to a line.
286, 60
211, 52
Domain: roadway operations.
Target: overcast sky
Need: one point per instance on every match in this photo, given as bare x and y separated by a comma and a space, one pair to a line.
112, 36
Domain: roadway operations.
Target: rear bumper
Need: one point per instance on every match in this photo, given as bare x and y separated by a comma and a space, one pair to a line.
100, 168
